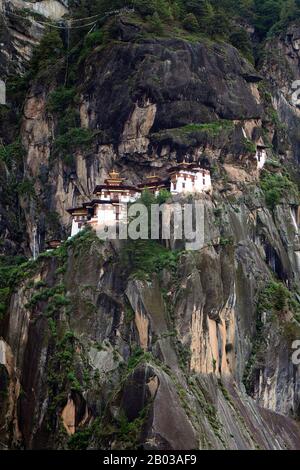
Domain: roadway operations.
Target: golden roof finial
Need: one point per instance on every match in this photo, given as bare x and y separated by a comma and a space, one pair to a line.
114, 174
114, 178
186, 163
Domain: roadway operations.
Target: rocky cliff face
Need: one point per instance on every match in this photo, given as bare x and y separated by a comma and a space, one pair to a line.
121, 345
153, 90
21, 29
116, 361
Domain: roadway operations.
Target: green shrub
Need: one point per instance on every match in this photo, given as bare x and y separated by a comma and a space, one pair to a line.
69, 120
47, 53
275, 298
68, 160
156, 24
129, 314
91, 41
62, 372
4, 298
26, 188
194, 131
163, 196
136, 357
80, 440
11, 272
218, 212
145, 7
12, 154
72, 140
62, 102
213, 128
60, 99
190, 23
81, 243
249, 146
226, 241
54, 296
145, 257
239, 38
275, 186
272, 301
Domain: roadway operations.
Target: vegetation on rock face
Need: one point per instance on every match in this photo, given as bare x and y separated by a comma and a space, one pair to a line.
212, 128
47, 54
74, 138
249, 146
193, 134
62, 377
277, 307
211, 18
275, 186
143, 258
12, 154
275, 298
61, 99
62, 103
12, 269
55, 73
15, 269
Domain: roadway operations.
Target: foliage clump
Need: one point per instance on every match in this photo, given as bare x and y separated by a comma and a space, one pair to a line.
194, 133
72, 139
12, 154
61, 99
47, 54
275, 298
210, 18
11, 271
62, 103
275, 186
146, 257
275, 304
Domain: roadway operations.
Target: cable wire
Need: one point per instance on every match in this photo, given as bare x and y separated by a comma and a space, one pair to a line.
108, 13
46, 23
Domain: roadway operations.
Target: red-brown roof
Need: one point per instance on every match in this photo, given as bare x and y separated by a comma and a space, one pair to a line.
154, 184
75, 209
122, 187
183, 167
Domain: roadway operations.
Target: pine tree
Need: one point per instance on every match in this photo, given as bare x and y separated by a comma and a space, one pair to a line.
290, 11
190, 22
219, 24
163, 9
145, 7
156, 23
206, 18
267, 14
239, 38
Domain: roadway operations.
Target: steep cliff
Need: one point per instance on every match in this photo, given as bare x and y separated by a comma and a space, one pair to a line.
22, 25
119, 345
108, 358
